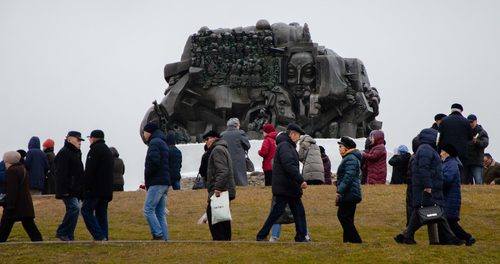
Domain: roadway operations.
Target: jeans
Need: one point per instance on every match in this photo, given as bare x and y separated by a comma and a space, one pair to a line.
95, 215
28, 225
154, 210
474, 174
299, 215
68, 225
276, 231
345, 214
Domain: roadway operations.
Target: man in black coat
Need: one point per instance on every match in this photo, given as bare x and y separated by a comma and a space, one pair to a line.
475, 152
287, 184
455, 130
98, 186
68, 176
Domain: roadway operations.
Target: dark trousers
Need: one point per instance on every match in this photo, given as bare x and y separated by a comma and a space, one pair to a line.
221, 230
299, 215
117, 188
446, 235
409, 203
95, 215
268, 177
457, 230
28, 225
345, 215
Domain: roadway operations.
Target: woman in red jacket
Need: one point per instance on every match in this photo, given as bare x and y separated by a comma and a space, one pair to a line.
267, 152
376, 159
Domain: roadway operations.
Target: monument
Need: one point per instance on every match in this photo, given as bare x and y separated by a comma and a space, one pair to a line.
264, 74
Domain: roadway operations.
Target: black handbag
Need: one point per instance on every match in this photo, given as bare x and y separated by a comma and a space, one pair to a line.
249, 163
430, 214
198, 183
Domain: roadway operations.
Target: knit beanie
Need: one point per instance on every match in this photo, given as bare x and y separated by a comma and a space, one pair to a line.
49, 143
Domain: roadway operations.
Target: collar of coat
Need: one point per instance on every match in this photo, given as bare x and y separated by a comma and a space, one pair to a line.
348, 151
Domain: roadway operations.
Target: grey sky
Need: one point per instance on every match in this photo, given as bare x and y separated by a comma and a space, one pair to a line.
99, 64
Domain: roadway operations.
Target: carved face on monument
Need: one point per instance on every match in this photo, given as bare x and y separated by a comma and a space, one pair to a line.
301, 74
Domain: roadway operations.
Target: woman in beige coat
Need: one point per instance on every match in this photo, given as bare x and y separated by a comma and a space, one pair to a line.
310, 156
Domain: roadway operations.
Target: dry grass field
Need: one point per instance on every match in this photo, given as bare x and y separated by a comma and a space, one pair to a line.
379, 218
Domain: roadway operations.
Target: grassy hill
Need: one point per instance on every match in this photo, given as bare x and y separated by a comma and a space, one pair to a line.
379, 218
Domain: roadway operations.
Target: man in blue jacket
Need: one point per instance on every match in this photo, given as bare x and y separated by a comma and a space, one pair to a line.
287, 184
157, 181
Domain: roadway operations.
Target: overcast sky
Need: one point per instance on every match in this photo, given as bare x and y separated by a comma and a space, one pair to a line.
81, 65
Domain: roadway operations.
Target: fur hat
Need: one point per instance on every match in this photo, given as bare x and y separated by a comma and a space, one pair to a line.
211, 133
268, 128
450, 149
347, 142
439, 116
151, 127
457, 107
11, 157
295, 127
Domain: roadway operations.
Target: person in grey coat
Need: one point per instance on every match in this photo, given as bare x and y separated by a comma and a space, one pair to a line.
310, 156
238, 145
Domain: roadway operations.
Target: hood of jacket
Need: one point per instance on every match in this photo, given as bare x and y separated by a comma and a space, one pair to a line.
378, 136
114, 151
171, 138
218, 142
309, 139
271, 135
428, 136
34, 143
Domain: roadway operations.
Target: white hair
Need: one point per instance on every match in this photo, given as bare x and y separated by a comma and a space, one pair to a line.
233, 122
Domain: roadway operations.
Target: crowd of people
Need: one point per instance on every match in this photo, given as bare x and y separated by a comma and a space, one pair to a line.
433, 174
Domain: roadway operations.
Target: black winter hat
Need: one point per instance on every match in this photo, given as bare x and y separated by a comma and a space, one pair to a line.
151, 127
472, 117
439, 116
295, 127
211, 133
450, 149
347, 142
97, 134
457, 107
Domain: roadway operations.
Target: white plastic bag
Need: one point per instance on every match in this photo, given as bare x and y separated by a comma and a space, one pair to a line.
220, 208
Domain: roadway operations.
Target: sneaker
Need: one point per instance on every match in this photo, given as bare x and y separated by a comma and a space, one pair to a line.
63, 238
274, 239
470, 241
308, 238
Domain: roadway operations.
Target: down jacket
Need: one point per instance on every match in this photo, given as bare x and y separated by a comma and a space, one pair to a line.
348, 181
451, 187
98, 179
286, 179
220, 170
267, 151
174, 158
156, 171
36, 164
376, 160
475, 151
426, 171
69, 171
400, 167
310, 155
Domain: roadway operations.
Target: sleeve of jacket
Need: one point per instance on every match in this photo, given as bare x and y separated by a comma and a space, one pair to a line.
303, 147
221, 166
483, 139
395, 160
90, 168
290, 163
423, 167
61, 163
449, 171
28, 160
245, 143
373, 155
153, 159
12, 189
264, 149
351, 169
